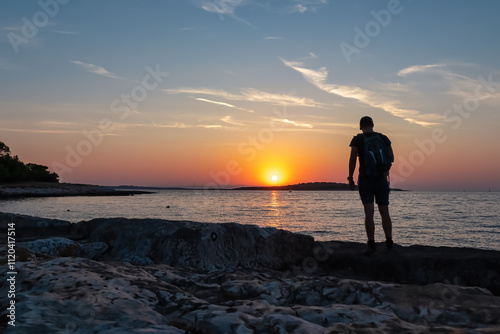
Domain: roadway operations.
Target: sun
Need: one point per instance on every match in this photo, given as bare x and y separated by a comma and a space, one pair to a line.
273, 176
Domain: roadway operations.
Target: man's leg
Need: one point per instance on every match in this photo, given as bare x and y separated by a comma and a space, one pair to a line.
386, 220
369, 223
387, 225
370, 228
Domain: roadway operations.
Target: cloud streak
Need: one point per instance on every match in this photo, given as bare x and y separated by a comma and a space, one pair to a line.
303, 6
419, 68
222, 104
318, 78
457, 84
251, 95
97, 70
229, 120
225, 8
294, 123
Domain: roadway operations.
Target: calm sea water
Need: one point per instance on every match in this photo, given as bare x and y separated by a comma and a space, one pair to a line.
458, 219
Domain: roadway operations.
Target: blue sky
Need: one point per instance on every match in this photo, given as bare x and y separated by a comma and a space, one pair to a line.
230, 63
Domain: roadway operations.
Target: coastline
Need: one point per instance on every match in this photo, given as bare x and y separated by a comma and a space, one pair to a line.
177, 276
46, 189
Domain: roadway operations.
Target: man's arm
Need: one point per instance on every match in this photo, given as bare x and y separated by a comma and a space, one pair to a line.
352, 165
390, 153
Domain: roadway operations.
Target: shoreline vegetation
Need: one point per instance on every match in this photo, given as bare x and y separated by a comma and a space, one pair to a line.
117, 275
51, 189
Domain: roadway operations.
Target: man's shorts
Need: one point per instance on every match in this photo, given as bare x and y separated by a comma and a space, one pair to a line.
370, 188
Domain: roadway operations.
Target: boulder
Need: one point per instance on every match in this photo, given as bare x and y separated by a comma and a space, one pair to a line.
194, 245
32, 228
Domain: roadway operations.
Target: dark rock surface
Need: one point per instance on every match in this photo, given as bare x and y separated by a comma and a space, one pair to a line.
195, 245
416, 264
137, 276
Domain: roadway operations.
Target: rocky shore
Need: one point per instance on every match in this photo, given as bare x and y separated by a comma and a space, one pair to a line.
46, 189
156, 276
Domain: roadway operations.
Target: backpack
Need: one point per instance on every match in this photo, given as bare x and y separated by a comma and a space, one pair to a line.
376, 158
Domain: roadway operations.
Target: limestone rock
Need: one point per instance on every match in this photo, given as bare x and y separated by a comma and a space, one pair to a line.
65, 247
156, 276
195, 245
32, 228
78, 295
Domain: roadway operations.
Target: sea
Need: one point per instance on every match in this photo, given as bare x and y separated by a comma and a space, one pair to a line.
454, 219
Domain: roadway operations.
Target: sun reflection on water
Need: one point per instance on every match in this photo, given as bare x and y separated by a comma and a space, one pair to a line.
275, 213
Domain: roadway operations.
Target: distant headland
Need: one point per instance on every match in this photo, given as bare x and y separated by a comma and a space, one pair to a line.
312, 186
50, 189
306, 186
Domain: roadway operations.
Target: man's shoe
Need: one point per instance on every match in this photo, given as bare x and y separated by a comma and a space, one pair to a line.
390, 246
371, 248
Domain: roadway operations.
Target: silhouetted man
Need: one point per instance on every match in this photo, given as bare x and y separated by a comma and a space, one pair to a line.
372, 186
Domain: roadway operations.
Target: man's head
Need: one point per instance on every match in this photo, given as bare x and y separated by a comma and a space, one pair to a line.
366, 122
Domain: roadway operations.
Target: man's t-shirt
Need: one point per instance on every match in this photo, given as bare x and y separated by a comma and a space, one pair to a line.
359, 142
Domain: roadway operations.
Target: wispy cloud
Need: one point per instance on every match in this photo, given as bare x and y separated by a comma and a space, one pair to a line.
229, 120
174, 125
222, 104
303, 6
52, 127
319, 79
210, 126
224, 8
273, 38
419, 68
311, 56
449, 75
294, 123
26, 130
98, 70
252, 95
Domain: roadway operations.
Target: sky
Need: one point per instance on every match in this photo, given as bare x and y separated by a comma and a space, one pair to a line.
231, 92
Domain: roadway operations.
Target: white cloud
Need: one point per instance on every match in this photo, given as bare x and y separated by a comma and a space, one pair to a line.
252, 95
210, 126
97, 70
272, 37
222, 104
229, 120
453, 82
224, 8
294, 123
419, 68
303, 6
373, 99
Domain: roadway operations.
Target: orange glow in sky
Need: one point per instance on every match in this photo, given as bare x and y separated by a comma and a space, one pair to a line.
220, 103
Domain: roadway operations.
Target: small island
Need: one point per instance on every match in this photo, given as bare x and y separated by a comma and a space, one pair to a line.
307, 186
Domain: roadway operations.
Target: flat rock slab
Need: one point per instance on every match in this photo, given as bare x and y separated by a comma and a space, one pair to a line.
156, 276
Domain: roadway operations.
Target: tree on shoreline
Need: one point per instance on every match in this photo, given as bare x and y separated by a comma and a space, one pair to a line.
14, 170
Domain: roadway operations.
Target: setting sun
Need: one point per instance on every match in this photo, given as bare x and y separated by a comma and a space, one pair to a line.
274, 178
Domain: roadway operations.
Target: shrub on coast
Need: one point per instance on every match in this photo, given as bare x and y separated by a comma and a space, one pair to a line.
14, 170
